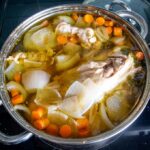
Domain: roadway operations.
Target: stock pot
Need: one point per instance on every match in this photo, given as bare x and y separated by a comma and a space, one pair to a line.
95, 141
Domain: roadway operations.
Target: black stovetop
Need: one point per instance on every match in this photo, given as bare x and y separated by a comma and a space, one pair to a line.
13, 12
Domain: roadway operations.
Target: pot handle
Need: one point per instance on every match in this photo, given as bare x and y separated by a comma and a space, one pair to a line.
137, 18
131, 15
117, 2
14, 139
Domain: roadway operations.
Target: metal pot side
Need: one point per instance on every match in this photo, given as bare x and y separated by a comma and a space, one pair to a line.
103, 138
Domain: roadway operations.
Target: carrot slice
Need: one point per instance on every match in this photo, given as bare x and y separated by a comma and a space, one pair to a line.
61, 39
17, 77
14, 92
84, 132
117, 31
109, 23
109, 30
75, 16
45, 23
52, 129
88, 18
100, 21
18, 99
139, 55
65, 131
82, 123
38, 113
41, 123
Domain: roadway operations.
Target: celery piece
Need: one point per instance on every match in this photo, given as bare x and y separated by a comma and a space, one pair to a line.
71, 48
81, 23
101, 34
39, 38
32, 64
14, 85
12, 69
69, 63
117, 40
66, 19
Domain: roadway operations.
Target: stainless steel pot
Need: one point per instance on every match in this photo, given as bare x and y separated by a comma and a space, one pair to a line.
103, 138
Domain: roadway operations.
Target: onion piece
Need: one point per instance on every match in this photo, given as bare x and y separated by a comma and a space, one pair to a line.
96, 125
117, 107
71, 107
35, 79
92, 113
22, 108
46, 97
105, 117
52, 108
82, 97
57, 117
94, 119
75, 89
73, 123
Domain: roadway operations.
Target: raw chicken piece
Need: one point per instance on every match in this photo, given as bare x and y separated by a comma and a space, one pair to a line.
87, 92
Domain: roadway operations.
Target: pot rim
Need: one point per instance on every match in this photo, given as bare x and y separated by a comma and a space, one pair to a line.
24, 26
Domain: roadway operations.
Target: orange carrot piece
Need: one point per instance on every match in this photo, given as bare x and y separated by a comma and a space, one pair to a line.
14, 92
61, 39
52, 129
139, 55
82, 123
109, 23
88, 18
17, 77
84, 132
117, 31
65, 131
100, 21
41, 123
75, 16
45, 23
109, 30
18, 99
38, 113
